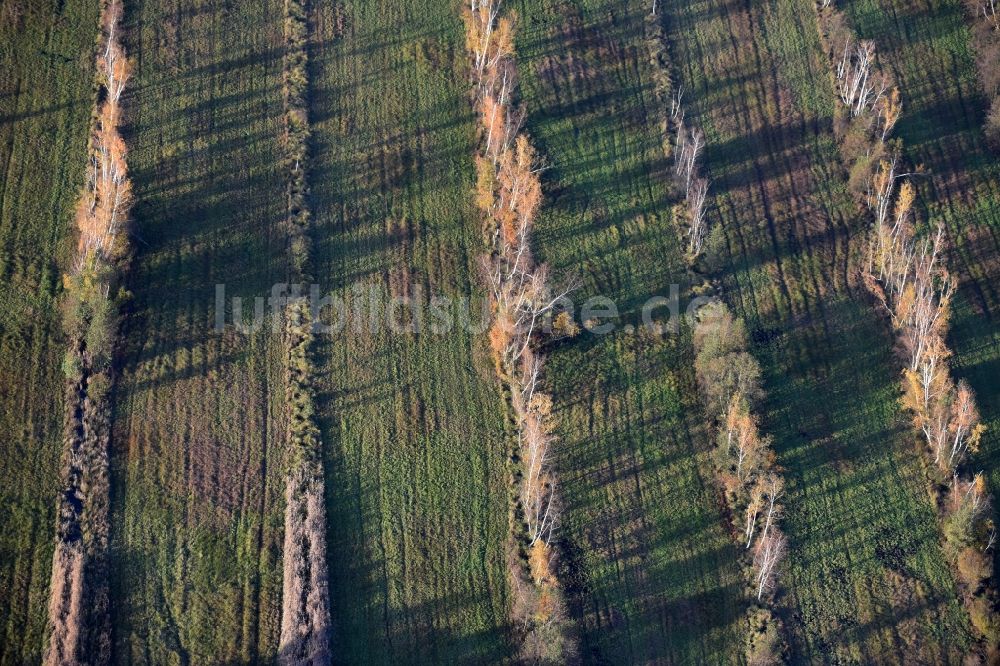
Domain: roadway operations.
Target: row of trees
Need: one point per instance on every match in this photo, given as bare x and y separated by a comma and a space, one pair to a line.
305, 607
728, 379
986, 44
689, 142
870, 102
908, 277
729, 382
509, 194
79, 625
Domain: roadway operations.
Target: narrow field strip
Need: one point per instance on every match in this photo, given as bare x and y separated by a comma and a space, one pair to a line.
305, 604
46, 103
860, 527
650, 572
79, 621
413, 420
200, 425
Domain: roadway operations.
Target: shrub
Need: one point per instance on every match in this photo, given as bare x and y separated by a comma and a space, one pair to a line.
563, 326
763, 641
984, 620
973, 567
72, 367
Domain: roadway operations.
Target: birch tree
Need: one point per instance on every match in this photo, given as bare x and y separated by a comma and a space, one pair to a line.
770, 553
696, 216
965, 426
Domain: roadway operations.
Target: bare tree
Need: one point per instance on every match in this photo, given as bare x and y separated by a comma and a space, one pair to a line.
676, 112
696, 215
770, 553
696, 142
989, 11
965, 427
860, 87
932, 370
922, 310
774, 486
934, 421
754, 507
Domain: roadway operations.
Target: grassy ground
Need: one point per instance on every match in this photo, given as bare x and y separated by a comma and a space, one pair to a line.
46, 84
197, 451
865, 578
649, 568
417, 442
926, 46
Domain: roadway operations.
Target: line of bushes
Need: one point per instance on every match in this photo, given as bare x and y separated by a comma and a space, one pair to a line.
910, 282
305, 612
79, 624
729, 380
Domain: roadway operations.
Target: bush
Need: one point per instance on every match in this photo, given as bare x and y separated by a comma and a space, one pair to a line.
993, 124
984, 620
763, 642
72, 366
563, 326
958, 532
973, 567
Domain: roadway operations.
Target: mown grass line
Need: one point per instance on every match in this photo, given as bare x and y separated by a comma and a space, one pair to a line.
865, 579
650, 572
926, 46
414, 423
199, 419
46, 98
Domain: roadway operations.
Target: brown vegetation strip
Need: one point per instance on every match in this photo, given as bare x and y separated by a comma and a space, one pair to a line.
509, 194
305, 608
78, 603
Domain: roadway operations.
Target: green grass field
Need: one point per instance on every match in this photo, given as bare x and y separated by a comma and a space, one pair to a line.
416, 437
46, 96
865, 578
197, 452
651, 571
